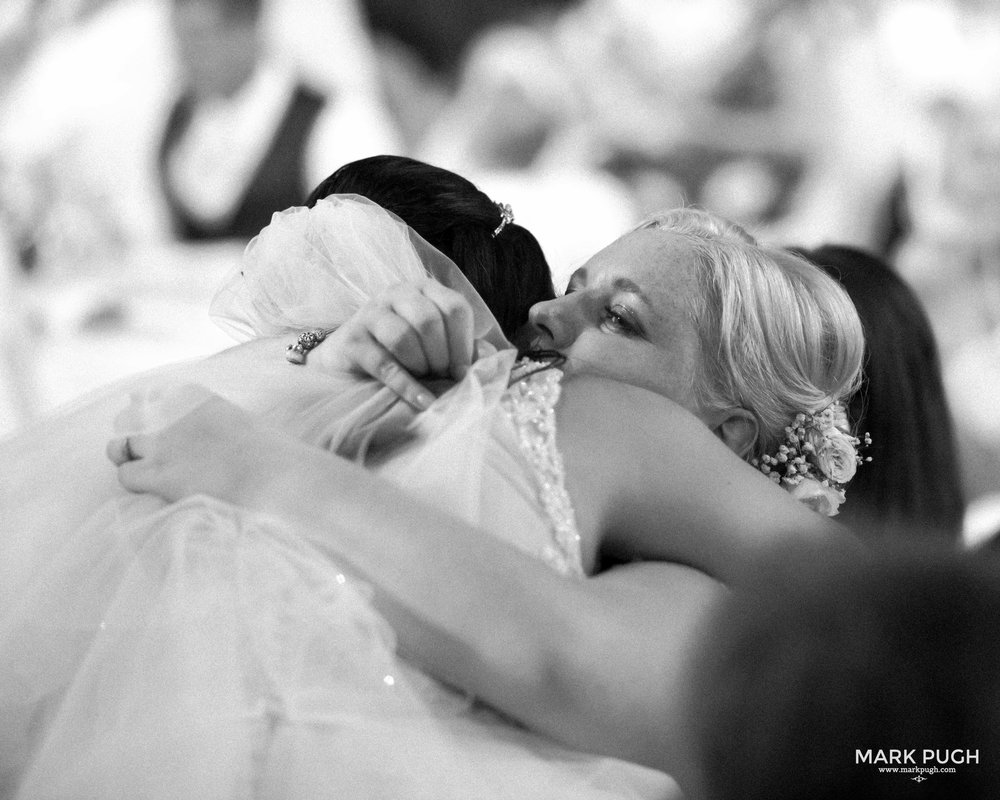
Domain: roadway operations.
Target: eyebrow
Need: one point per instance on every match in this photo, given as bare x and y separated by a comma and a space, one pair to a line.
618, 284
626, 285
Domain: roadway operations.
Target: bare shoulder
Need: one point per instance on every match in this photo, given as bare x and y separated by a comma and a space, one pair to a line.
626, 435
615, 440
649, 480
604, 407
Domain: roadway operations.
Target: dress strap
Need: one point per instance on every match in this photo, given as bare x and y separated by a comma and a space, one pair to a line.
530, 402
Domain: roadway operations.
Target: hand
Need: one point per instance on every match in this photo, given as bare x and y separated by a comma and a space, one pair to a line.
414, 330
216, 449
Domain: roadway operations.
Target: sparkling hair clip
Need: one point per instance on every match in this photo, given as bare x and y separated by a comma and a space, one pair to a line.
506, 217
817, 459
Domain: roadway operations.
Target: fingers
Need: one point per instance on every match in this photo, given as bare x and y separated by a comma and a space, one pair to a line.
457, 318
208, 449
415, 329
399, 329
428, 329
372, 358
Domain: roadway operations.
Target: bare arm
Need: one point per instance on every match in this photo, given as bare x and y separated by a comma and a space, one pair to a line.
598, 664
650, 481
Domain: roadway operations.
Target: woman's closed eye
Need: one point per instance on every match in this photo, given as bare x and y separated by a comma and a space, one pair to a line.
619, 319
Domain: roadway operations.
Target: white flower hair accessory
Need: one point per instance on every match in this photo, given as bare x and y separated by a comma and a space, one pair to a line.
817, 460
506, 217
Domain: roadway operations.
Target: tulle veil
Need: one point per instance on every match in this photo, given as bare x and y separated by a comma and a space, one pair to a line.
198, 650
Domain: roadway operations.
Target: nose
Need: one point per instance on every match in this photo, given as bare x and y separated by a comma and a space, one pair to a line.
558, 322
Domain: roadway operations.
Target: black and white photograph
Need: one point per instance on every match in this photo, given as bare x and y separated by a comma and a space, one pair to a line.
499, 399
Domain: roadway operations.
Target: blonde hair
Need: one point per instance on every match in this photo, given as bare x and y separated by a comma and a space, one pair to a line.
778, 336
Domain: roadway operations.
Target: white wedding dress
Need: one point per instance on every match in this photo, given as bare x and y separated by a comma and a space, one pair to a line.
197, 650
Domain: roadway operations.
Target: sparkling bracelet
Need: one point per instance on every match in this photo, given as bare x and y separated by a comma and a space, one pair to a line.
296, 353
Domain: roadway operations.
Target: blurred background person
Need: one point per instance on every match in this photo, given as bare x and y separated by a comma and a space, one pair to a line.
249, 135
143, 142
827, 659
423, 47
735, 106
914, 482
945, 57
146, 104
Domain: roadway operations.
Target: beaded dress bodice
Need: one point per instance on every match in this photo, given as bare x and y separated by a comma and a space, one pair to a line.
530, 406
486, 452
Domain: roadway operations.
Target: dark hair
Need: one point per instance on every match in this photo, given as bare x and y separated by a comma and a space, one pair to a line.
827, 657
914, 478
508, 270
